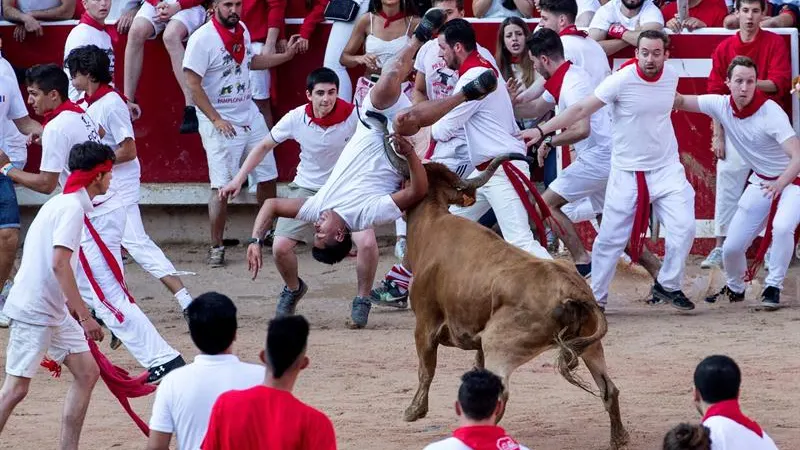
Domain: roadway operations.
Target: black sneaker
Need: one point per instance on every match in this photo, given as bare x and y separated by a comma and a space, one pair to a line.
389, 294
677, 298
190, 124
359, 313
480, 87
287, 301
733, 297
432, 20
157, 373
584, 269
771, 298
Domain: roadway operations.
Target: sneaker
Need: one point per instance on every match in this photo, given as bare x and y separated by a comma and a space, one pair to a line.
287, 301
714, 259
584, 269
157, 373
216, 256
400, 248
733, 297
676, 298
190, 124
389, 294
359, 314
771, 298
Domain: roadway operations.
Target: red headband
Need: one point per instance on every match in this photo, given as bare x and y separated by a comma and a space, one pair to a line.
81, 178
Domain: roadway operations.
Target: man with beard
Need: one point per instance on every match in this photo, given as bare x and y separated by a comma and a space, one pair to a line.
618, 23
767, 143
645, 169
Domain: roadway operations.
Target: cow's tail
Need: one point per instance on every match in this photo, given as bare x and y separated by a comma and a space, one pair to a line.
577, 317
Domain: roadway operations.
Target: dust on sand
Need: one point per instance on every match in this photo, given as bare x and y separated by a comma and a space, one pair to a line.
364, 379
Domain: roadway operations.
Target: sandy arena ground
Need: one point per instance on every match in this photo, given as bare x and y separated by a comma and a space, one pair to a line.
364, 379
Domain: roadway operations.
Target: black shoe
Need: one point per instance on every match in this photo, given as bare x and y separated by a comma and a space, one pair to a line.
359, 313
771, 298
287, 301
157, 373
584, 269
432, 20
480, 87
190, 124
677, 298
728, 292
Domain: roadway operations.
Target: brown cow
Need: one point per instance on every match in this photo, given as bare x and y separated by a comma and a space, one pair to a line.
474, 291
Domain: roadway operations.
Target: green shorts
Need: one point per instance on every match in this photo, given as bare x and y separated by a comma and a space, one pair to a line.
297, 230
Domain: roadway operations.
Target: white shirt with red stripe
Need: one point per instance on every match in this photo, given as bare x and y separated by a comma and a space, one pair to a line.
757, 138
727, 434
611, 13
587, 53
84, 34
640, 110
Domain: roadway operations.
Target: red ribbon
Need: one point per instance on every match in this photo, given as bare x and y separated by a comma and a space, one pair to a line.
80, 179
431, 149
101, 92
641, 217
64, 106
475, 59
234, 42
572, 30
389, 19
731, 410
556, 80
340, 112
751, 108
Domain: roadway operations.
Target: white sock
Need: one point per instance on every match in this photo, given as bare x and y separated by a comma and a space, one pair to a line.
183, 297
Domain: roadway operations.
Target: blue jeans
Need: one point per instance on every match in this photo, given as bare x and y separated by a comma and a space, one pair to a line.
9, 208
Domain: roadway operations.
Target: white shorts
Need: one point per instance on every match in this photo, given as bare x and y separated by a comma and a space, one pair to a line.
225, 156
28, 343
191, 18
581, 180
259, 79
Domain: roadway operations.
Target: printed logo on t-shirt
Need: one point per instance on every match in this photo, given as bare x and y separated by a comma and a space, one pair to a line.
444, 80
235, 86
506, 443
93, 135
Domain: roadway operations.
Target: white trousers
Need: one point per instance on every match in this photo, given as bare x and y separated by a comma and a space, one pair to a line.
672, 198
135, 331
732, 175
750, 218
337, 40
499, 194
146, 253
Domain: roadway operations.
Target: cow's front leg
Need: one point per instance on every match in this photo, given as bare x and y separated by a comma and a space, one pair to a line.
427, 344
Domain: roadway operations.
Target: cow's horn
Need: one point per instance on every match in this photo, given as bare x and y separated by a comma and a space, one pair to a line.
481, 179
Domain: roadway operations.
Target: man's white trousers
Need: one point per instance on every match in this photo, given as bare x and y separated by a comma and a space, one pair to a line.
146, 253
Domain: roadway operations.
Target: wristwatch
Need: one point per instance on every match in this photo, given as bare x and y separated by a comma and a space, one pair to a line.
548, 141
258, 241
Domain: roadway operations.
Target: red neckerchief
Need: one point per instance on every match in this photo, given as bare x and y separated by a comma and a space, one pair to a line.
79, 179
340, 112
389, 19
110, 30
627, 63
572, 30
516, 59
65, 106
485, 437
234, 42
731, 410
475, 59
755, 104
646, 77
102, 91
553, 84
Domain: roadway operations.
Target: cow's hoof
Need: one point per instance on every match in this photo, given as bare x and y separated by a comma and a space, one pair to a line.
413, 413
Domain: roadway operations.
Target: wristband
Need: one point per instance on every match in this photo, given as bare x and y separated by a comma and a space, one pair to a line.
6, 168
83, 320
616, 31
537, 127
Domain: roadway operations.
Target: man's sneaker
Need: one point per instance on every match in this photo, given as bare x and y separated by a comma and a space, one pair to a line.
432, 20
389, 294
5, 321
584, 269
287, 301
677, 298
216, 256
481, 86
157, 373
771, 298
714, 259
359, 314
190, 124
733, 297
400, 248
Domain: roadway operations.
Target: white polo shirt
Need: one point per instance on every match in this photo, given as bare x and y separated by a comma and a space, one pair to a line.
490, 126
587, 53
320, 147
727, 434
186, 395
84, 34
757, 138
596, 148
36, 297
640, 110
111, 113
226, 83
363, 180
611, 13
12, 107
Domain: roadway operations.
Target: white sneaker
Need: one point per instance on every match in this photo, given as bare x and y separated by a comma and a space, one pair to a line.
714, 259
400, 249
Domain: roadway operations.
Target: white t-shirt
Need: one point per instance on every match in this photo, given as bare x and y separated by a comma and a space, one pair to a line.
59, 135
587, 6
596, 148
36, 297
27, 6
587, 53
727, 434
226, 83
83, 34
757, 138
490, 126
111, 113
611, 13
453, 443
186, 395
319, 147
363, 180
640, 110
12, 106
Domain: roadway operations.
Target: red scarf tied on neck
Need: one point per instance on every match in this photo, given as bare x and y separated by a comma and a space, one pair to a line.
340, 112
65, 106
473, 60
731, 410
111, 30
755, 104
79, 179
100, 92
389, 19
485, 437
233, 41
572, 30
556, 80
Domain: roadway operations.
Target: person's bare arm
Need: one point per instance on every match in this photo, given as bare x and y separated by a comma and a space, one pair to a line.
195, 83
525, 7
577, 132
428, 113
126, 151
532, 92
566, 118
417, 187
480, 7
767, 86
62, 269
13, 14
686, 103
420, 93
532, 110
350, 55
272, 208
28, 126
584, 19
717, 139
792, 148
631, 36
43, 182
64, 11
158, 440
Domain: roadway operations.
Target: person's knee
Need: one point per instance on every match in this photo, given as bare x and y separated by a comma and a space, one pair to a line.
88, 374
282, 247
367, 245
173, 37
782, 230
9, 239
17, 391
733, 246
139, 32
